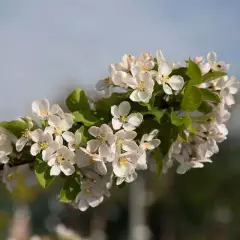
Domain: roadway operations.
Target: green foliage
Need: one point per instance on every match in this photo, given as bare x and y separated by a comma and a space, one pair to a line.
84, 133
203, 119
16, 127
212, 76
87, 118
70, 189
42, 172
208, 95
178, 121
158, 113
192, 98
205, 107
157, 156
77, 102
194, 72
182, 71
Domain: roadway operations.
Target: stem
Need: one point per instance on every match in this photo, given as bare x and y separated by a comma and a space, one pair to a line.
15, 164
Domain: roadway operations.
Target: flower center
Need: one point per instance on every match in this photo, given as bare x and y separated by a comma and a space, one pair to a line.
141, 86
43, 145
147, 145
43, 112
59, 159
123, 161
123, 118
165, 78
102, 138
58, 131
27, 134
144, 68
89, 191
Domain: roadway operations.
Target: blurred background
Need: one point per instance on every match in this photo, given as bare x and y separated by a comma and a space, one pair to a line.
47, 48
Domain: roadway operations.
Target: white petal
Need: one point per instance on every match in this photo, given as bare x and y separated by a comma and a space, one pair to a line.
135, 119
47, 153
116, 123
124, 108
104, 150
21, 143
176, 82
94, 131
212, 57
144, 96
94, 201
128, 126
160, 57
165, 69
36, 135
134, 96
83, 205
105, 129
130, 146
55, 170
67, 168
93, 145
82, 160
59, 139
49, 129
167, 89
100, 168
153, 144
68, 136
115, 112
35, 149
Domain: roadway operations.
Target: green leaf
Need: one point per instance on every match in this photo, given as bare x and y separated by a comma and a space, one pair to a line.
194, 72
84, 133
77, 101
87, 118
182, 71
192, 98
203, 119
208, 95
15, 127
42, 172
157, 155
158, 113
205, 107
212, 76
183, 136
70, 189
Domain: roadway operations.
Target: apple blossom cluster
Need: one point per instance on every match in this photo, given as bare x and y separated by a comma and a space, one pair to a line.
151, 108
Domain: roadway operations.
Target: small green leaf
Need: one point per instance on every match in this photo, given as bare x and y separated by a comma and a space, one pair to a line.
77, 101
212, 76
205, 107
183, 136
84, 133
156, 154
194, 72
15, 127
182, 71
203, 119
158, 113
70, 189
208, 95
192, 98
42, 172
87, 118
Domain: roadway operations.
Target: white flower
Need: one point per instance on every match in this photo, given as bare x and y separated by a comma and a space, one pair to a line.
92, 193
105, 86
216, 66
74, 140
144, 63
43, 110
143, 84
85, 159
26, 137
5, 148
125, 65
104, 138
131, 176
59, 127
42, 142
120, 78
149, 142
122, 119
124, 164
174, 82
62, 161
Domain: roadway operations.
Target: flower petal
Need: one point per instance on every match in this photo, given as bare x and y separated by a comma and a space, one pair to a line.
115, 112
104, 150
21, 143
67, 168
124, 108
116, 123
35, 149
83, 205
135, 119
55, 170
176, 82
93, 145
167, 89
68, 136
94, 131
134, 96
100, 168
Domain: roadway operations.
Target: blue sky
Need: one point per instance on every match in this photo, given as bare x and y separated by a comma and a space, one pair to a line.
49, 47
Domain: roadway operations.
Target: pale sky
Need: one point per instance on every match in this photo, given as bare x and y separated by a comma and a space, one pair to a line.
49, 47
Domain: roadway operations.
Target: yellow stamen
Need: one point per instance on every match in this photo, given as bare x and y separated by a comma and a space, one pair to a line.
123, 118
141, 86
123, 161
43, 145
43, 112
59, 159
165, 78
147, 145
144, 68
58, 131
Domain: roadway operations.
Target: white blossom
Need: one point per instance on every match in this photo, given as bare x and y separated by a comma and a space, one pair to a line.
42, 142
144, 63
149, 142
174, 82
105, 86
59, 127
104, 139
62, 160
143, 84
122, 118
5, 147
214, 65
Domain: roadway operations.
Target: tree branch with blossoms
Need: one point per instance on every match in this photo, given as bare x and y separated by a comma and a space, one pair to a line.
150, 108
